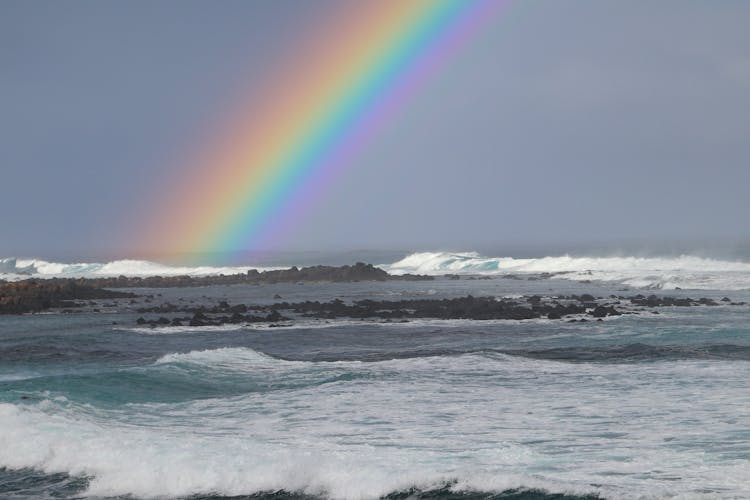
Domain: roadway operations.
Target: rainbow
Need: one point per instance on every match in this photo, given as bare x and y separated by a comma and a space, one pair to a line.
308, 123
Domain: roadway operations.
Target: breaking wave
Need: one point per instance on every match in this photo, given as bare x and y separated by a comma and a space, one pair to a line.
443, 425
685, 271
14, 269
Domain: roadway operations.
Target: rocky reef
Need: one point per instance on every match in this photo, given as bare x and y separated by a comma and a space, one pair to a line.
34, 296
67, 293
578, 308
335, 274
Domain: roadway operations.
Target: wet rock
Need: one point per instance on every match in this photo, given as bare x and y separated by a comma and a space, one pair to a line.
602, 312
469, 307
274, 316
20, 297
707, 301
357, 272
199, 319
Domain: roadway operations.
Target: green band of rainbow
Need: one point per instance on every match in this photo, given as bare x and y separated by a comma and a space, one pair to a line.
251, 191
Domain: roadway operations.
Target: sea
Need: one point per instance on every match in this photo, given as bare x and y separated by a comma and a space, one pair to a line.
93, 405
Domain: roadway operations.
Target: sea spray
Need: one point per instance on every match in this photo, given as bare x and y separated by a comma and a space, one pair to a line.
668, 273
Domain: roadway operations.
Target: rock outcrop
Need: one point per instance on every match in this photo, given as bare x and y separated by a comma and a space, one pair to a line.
33, 296
335, 274
573, 307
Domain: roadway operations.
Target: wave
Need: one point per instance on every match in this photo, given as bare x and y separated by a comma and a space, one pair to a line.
470, 421
325, 324
31, 483
150, 462
638, 352
246, 359
685, 271
15, 269
243, 357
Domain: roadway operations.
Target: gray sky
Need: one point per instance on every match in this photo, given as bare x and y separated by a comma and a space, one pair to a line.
564, 122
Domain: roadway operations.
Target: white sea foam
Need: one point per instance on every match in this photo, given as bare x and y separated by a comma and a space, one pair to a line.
488, 421
14, 377
173, 330
311, 324
320, 324
685, 271
234, 356
14, 269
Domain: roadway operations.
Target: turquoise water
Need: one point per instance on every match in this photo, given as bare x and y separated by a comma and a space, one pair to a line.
646, 405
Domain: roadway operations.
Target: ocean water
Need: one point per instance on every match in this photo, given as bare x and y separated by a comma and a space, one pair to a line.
636, 406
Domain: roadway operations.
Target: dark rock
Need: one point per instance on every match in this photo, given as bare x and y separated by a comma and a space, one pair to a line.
239, 308
274, 316
38, 295
358, 272
236, 318
469, 307
602, 311
707, 301
199, 319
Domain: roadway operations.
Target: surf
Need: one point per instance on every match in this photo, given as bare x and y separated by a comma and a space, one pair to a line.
684, 271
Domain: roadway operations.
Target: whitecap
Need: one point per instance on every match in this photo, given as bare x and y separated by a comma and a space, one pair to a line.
685, 271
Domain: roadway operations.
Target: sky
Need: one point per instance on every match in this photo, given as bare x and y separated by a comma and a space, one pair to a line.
561, 122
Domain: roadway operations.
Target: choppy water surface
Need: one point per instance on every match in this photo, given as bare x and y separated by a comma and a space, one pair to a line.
646, 405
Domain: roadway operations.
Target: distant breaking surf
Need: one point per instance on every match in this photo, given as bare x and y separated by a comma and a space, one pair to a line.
14, 269
685, 271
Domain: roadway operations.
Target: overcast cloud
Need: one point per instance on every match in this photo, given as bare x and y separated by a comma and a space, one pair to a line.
564, 122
